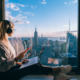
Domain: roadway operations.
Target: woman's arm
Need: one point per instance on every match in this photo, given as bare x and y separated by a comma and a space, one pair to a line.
4, 63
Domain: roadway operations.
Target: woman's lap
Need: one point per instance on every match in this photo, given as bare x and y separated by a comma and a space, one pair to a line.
16, 73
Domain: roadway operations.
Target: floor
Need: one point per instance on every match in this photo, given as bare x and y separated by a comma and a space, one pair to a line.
49, 77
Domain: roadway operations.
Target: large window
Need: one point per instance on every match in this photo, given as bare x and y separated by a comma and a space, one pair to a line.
52, 24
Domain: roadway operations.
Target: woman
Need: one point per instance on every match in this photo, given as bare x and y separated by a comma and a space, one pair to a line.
9, 62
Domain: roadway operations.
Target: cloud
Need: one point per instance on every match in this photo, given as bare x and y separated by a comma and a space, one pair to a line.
65, 2
55, 34
75, 1
74, 31
13, 6
66, 26
17, 19
23, 17
6, 1
26, 5
43, 2
21, 5
20, 21
20, 16
59, 33
7, 13
32, 7
20, 11
29, 13
71, 2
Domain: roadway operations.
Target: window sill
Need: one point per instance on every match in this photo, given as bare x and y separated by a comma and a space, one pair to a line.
38, 77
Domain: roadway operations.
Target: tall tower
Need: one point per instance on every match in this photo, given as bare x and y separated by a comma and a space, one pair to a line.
69, 25
35, 38
68, 39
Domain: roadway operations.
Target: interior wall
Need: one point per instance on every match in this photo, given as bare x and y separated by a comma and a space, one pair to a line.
2, 10
79, 35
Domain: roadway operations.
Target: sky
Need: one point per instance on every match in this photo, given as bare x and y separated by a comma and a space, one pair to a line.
50, 17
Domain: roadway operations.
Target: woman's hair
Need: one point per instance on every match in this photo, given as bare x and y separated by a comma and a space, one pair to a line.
3, 28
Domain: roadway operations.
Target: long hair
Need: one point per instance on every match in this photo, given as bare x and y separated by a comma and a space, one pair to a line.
3, 28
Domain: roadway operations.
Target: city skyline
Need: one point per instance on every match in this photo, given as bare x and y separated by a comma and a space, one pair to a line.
49, 19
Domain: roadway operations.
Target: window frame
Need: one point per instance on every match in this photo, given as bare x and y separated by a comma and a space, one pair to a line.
74, 69
2, 10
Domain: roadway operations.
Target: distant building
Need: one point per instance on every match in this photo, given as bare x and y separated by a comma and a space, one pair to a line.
17, 44
46, 54
25, 43
41, 35
35, 38
71, 43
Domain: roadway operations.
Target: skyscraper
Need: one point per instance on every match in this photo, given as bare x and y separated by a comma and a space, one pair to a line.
46, 54
68, 38
71, 42
41, 35
35, 38
69, 25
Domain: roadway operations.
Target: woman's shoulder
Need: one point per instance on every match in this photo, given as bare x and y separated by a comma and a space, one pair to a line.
4, 43
3, 48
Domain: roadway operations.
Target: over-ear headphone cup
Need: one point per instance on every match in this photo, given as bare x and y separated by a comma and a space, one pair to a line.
9, 30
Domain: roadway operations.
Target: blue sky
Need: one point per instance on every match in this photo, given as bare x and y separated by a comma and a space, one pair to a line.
50, 17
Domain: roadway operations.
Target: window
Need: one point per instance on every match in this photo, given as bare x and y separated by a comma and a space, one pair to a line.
48, 24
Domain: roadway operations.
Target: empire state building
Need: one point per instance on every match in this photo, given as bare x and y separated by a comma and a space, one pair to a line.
35, 38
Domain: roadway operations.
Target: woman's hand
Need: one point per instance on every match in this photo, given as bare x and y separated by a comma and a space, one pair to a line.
20, 63
27, 49
21, 55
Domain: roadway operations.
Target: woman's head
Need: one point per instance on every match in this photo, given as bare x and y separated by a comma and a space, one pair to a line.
5, 25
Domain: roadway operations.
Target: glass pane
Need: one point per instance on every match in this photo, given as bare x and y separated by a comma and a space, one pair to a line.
49, 26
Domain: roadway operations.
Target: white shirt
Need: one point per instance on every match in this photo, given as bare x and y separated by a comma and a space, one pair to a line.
7, 55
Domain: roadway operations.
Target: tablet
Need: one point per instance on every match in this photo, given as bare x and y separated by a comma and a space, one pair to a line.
32, 61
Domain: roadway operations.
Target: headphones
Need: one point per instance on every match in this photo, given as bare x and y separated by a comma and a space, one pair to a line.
9, 30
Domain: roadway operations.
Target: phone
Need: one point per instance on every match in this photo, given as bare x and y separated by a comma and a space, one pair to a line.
27, 49
30, 46
42, 48
41, 52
